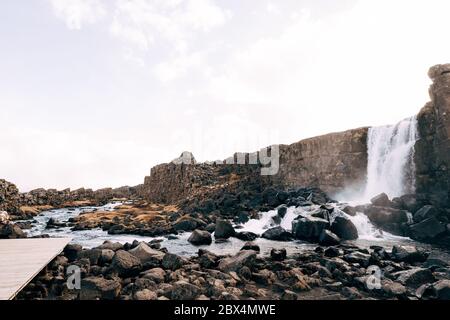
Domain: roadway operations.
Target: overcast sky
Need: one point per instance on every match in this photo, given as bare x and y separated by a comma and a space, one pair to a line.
95, 92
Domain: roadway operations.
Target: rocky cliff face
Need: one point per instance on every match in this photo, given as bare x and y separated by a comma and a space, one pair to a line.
9, 197
433, 149
330, 162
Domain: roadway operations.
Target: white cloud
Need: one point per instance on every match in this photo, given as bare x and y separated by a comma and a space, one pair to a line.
170, 26
174, 22
364, 66
77, 13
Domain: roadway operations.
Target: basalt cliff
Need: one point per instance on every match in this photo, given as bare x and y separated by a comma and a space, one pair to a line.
332, 162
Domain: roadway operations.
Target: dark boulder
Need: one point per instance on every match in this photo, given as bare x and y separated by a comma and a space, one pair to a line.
208, 260
441, 290
243, 258
251, 246
172, 262
71, 251
409, 254
92, 255
281, 211
277, 234
183, 290
269, 196
52, 223
278, 254
344, 228
146, 254
425, 213
246, 236
11, 231
328, 238
126, 264
94, 288
414, 278
243, 217
381, 200
362, 259
309, 228
187, 223
321, 214
199, 238
224, 230
332, 252
384, 215
428, 229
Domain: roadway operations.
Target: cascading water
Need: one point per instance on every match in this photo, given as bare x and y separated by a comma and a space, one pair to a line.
391, 166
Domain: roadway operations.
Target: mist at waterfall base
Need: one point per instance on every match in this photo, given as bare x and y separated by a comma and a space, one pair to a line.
390, 166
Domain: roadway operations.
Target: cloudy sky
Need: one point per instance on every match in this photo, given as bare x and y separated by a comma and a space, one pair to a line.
95, 92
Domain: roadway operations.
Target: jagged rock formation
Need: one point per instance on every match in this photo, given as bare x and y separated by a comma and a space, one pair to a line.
9, 197
433, 149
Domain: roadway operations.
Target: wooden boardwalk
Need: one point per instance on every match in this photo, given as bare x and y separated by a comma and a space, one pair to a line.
22, 259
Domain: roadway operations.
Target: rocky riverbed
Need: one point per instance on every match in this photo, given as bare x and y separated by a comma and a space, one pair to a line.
304, 246
144, 271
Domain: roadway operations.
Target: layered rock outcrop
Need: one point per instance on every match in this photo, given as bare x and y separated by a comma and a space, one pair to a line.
433, 149
331, 162
9, 197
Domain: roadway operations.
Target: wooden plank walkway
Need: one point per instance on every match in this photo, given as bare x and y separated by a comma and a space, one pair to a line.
22, 259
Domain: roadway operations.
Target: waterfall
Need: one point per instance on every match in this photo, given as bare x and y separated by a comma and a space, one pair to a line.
391, 166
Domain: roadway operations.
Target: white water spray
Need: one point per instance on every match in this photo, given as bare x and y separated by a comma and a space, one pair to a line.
391, 166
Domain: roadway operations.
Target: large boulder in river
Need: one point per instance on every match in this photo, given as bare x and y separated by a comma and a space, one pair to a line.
224, 230
309, 228
328, 238
246, 236
344, 228
126, 264
428, 229
188, 223
199, 238
425, 213
383, 215
381, 200
277, 234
